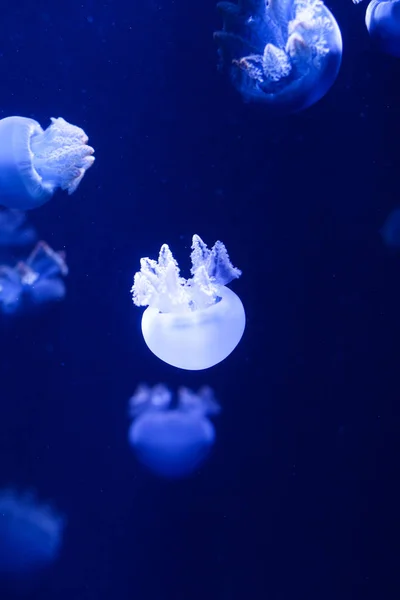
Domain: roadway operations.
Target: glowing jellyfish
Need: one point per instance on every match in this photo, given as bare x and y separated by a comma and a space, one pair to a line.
30, 533
35, 282
190, 323
14, 231
172, 439
283, 53
383, 23
34, 163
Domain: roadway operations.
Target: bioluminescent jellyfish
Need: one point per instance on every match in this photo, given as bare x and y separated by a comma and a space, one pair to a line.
172, 437
391, 229
14, 230
382, 19
190, 323
34, 282
30, 533
283, 53
35, 162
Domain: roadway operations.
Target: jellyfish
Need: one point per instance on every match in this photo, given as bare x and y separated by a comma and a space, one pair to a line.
190, 323
14, 230
382, 19
34, 163
172, 437
283, 53
30, 533
34, 282
390, 231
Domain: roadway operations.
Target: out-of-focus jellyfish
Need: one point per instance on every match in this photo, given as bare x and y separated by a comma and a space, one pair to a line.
35, 282
190, 323
283, 53
35, 162
172, 439
390, 231
14, 231
382, 19
30, 533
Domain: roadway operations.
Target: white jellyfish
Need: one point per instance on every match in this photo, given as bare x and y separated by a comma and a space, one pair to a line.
34, 282
30, 533
382, 19
14, 230
35, 162
172, 439
190, 323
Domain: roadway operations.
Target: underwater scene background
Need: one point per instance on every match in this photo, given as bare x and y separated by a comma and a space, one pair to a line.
299, 496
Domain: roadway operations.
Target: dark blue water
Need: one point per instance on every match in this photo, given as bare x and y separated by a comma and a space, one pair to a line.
300, 497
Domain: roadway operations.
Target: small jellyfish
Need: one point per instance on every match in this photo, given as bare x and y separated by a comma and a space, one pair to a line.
283, 53
14, 231
34, 282
382, 19
390, 231
30, 533
34, 163
190, 323
172, 440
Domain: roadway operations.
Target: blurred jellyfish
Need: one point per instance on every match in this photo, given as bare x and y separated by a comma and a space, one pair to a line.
30, 533
382, 19
14, 230
172, 440
34, 163
35, 282
190, 323
391, 229
283, 53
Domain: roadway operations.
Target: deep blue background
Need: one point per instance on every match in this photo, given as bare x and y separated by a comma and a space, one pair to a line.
300, 498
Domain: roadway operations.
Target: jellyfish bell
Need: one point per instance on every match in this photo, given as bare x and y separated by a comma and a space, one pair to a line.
191, 324
172, 441
197, 340
382, 19
35, 162
285, 54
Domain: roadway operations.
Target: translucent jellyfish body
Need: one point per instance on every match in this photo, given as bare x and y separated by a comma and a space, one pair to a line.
382, 19
34, 163
30, 534
172, 440
34, 282
283, 53
190, 323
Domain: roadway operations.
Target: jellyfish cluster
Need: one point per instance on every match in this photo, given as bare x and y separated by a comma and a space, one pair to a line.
282, 54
